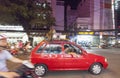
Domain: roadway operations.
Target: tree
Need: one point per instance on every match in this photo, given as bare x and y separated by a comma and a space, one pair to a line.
27, 13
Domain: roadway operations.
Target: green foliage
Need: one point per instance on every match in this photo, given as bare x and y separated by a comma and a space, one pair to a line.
26, 13
43, 15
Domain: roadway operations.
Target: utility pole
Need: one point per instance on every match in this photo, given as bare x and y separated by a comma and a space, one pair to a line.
115, 18
65, 15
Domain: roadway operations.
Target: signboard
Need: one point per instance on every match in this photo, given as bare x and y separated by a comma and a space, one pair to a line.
105, 33
86, 33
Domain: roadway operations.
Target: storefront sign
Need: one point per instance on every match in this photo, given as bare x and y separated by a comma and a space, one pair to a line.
86, 33
105, 33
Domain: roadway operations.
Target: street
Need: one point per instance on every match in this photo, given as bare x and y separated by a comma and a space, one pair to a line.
113, 70
38, 31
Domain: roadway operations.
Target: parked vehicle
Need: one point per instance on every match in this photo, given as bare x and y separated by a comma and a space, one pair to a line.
51, 56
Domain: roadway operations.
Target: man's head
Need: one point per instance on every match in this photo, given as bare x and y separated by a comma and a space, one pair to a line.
66, 46
3, 40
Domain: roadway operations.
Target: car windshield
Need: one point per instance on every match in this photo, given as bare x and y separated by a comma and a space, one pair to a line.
41, 48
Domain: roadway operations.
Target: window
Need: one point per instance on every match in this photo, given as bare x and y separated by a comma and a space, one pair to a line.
71, 48
77, 50
53, 49
60, 3
41, 48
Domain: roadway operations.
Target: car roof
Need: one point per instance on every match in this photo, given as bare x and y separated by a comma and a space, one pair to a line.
57, 41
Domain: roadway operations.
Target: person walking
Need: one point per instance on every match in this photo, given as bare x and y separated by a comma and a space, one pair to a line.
50, 34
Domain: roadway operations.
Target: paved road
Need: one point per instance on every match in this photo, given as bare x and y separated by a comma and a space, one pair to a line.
113, 70
109, 50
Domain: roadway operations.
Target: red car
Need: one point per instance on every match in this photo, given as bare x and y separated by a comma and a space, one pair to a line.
65, 55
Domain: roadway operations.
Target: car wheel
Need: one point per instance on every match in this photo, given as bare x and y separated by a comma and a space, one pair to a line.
95, 68
40, 70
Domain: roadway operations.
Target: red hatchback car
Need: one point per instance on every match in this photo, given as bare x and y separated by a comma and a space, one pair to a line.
65, 55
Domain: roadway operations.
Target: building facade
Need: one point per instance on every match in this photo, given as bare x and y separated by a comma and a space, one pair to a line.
90, 14
90, 17
93, 14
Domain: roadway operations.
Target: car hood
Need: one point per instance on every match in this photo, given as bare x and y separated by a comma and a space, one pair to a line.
94, 56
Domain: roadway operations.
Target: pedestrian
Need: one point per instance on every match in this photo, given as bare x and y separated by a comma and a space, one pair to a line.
50, 34
27, 47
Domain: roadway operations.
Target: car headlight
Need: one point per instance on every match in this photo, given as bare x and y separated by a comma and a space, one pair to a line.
105, 60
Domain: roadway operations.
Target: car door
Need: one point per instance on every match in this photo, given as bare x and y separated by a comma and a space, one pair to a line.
77, 60
52, 56
67, 57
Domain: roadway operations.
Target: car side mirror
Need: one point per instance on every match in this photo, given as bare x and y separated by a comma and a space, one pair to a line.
83, 52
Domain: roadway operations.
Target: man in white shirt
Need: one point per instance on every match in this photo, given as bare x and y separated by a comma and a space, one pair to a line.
4, 56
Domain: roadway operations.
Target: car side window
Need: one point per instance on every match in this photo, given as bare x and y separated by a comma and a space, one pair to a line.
69, 48
52, 49
77, 50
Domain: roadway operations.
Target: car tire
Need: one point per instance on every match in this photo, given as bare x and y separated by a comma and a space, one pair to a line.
95, 68
40, 70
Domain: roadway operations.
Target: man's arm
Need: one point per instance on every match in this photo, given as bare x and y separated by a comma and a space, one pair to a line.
16, 60
9, 74
11, 57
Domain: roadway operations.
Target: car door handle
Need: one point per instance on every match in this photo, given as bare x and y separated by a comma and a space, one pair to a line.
68, 56
53, 55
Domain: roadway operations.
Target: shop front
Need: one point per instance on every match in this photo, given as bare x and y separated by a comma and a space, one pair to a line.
14, 37
86, 39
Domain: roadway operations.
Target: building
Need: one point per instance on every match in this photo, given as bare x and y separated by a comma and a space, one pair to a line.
91, 17
96, 16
